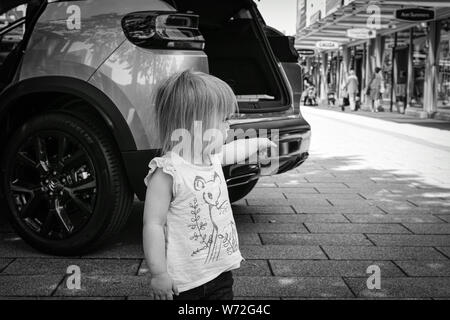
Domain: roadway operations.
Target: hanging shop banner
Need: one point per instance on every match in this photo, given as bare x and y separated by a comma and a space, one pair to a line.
306, 52
327, 45
361, 33
415, 14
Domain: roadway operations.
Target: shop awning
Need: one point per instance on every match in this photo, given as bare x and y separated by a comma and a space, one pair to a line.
356, 15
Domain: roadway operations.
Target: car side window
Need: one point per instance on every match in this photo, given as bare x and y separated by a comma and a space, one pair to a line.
12, 29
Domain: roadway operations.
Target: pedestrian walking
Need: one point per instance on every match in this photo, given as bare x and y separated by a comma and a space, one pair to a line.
351, 89
189, 233
375, 89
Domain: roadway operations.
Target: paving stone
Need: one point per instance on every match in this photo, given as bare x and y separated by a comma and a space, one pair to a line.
107, 286
317, 185
356, 299
322, 197
340, 190
331, 268
428, 228
410, 240
360, 203
266, 191
412, 210
12, 246
425, 268
337, 210
28, 285
292, 286
265, 194
242, 202
347, 228
256, 298
382, 253
287, 176
300, 218
298, 202
382, 194
445, 251
253, 268
243, 218
265, 185
248, 238
331, 179
392, 218
444, 217
271, 227
38, 266
4, 263
61, 298
118, 251
263, 210
367, 184
140, 298
299, 191
315, 239
282, 252
402, 287
421, 202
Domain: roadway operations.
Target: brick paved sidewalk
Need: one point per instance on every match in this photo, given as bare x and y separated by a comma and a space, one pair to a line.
310, 233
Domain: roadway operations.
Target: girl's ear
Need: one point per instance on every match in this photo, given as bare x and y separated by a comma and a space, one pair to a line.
199, 183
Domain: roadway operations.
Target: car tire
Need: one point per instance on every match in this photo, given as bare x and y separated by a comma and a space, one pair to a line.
239, 192
64, 184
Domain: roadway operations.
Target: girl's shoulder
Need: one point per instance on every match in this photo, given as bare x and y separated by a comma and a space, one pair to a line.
165, 163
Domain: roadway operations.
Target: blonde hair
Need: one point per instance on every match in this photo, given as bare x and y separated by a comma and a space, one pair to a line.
190, 96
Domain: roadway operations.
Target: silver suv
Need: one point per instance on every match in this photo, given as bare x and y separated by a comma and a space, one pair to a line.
76, 79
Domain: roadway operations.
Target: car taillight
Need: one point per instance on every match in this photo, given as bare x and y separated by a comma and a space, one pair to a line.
162, 30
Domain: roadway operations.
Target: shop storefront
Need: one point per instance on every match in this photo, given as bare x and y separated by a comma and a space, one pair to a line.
414, 57
443, 87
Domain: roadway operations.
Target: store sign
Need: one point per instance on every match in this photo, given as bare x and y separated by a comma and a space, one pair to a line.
306, 52
327, 45
361, 33
415, 14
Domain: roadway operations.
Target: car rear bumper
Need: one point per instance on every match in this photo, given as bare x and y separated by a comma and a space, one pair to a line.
294, 137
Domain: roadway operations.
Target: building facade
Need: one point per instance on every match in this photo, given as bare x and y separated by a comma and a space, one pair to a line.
408, 40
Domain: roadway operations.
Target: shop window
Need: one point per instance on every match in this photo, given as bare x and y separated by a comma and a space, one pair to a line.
443, 85
389, 43
420, 52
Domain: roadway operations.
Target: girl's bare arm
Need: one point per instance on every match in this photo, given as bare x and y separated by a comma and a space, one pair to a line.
157, 201
239, 150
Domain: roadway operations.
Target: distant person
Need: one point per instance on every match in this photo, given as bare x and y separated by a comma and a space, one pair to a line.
375, 89
309, 95
352, 89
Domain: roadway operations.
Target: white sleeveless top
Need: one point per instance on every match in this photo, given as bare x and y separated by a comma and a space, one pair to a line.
201, 237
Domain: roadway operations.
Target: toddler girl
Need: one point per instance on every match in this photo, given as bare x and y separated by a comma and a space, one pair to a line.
189, 234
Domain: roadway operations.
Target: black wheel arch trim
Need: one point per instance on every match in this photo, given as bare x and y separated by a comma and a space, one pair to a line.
79, 88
